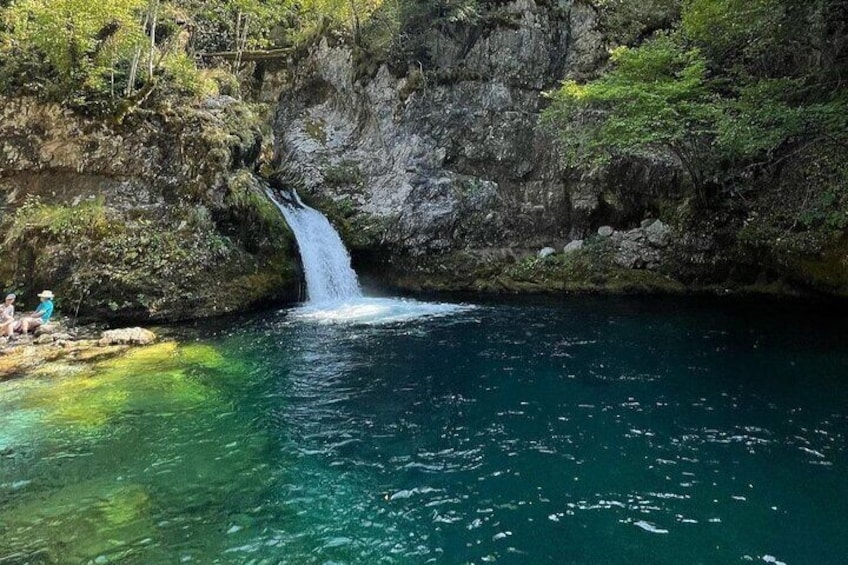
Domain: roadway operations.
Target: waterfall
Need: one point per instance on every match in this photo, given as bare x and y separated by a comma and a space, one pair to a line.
331, 285
326, 262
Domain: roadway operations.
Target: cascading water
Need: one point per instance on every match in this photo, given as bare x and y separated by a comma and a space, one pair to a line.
331, 284
326, 262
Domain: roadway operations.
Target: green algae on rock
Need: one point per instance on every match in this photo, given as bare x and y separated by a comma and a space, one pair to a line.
114, 517
92, 398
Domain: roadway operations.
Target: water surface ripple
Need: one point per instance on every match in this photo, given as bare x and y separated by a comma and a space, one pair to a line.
585, 431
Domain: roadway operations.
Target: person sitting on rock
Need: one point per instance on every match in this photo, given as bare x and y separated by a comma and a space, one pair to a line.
40, 316
7, 316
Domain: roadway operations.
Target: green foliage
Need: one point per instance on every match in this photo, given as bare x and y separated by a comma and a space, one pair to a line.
739, 82
225, 25
96, 55
656, 99
185, 77
82, 42
347, 12
728, 26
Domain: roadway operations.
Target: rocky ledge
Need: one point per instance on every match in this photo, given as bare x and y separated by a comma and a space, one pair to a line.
156, 216
57, 341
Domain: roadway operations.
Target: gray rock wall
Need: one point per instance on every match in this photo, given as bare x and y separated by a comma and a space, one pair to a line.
450, 157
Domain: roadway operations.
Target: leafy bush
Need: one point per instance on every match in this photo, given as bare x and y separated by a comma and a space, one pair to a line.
81, 43
655, 99
184, 76
738, 82
96, 55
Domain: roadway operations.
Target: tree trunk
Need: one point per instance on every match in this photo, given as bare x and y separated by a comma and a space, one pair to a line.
356, 31
135, 62
154, 16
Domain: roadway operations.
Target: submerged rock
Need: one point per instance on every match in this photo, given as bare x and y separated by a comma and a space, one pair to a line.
605, 231
127, 336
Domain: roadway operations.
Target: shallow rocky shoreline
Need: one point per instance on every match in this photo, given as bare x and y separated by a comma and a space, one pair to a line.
58, 341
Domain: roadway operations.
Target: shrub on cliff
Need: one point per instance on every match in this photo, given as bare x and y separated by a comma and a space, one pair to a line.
735, 86
68, 46
656, 99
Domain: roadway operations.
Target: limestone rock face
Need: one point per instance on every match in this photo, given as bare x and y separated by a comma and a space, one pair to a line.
127, 336
451, 154
159, 217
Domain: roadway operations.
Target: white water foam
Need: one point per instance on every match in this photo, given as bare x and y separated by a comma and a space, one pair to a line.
375, 311
648, 527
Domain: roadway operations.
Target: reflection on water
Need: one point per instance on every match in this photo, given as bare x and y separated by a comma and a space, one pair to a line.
593, 431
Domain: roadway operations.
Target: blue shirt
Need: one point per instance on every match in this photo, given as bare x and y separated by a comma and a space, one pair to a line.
46, 310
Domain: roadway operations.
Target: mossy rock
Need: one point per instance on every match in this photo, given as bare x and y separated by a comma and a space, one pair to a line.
180, 265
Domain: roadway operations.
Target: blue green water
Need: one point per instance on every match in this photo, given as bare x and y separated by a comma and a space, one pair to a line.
584, 431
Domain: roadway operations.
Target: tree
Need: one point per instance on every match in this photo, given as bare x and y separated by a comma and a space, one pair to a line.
654, 99
82, 41
736, 84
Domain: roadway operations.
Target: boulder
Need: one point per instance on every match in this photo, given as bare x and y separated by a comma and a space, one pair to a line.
605, 231
546, 252
658, 234
636, 255
127, 336
573, 246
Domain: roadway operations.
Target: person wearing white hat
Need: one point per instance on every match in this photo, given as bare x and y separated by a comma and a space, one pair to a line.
40, 315
7, 315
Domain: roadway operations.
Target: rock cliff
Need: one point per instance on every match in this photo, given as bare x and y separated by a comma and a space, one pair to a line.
444, 157
436, 166
158, 217
443, 176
